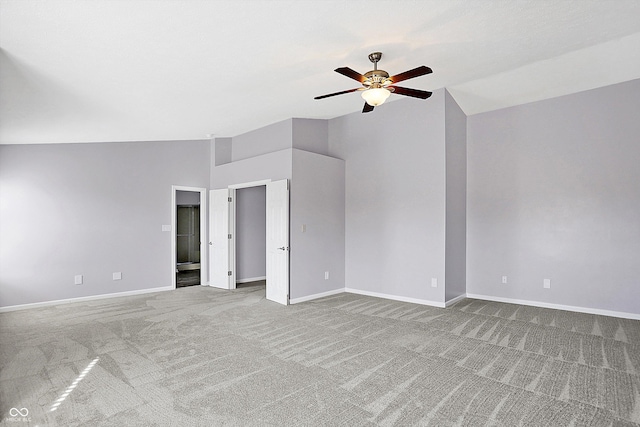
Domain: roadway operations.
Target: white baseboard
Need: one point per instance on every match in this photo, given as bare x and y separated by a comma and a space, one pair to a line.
251, 279
396, 298
82, 299
455, 300
587, 310
316, 296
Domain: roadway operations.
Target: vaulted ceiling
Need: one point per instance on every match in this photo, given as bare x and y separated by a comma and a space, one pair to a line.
101, 70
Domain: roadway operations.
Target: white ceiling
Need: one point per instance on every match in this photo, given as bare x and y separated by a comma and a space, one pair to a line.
109, 70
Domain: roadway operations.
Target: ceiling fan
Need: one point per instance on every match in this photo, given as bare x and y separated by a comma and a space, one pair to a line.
377, 85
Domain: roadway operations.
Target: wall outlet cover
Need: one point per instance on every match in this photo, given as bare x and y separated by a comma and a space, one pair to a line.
504, 279
117, 276
546, 283
166, 228
77, 279
434, 282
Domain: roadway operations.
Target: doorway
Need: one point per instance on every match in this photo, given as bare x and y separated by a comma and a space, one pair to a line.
187, 240
188, 248
222, 241
251, 236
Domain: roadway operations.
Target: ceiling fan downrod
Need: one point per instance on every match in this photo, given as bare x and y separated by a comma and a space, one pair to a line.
375, 57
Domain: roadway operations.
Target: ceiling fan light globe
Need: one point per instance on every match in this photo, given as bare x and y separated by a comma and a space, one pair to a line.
375, 96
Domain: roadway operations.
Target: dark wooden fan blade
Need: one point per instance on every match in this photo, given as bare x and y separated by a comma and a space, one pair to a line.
346, 71
367, 108
337, 93
422, 94
416, 72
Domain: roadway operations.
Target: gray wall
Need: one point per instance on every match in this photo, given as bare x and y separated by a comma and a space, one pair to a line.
311, 135
395, 196
90, 209
221, 151
456, 199
272, 166
316, 196
554, 192
251, 233
317, 202
187, 198
268, 139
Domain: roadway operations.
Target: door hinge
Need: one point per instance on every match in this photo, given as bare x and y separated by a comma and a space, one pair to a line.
229, 199
229, 236
229, 273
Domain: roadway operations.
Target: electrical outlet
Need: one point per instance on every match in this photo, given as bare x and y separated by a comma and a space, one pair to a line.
117, 276
504, 279
77, 279
326, 275
434, 282
546, 283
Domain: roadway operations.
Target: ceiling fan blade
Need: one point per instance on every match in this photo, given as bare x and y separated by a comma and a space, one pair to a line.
422, 94
346, 71
337, 93
416, 72
367, 108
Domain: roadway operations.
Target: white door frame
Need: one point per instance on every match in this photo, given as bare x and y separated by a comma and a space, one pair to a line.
204, 248
232, 224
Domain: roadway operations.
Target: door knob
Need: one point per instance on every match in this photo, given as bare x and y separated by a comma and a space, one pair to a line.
210, 243
283, 248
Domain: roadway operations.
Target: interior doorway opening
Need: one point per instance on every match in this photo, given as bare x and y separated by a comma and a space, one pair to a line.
222, 241
188, 248
187, 239
250, 236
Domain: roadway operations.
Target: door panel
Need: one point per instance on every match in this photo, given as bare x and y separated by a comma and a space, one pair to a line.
219, 238
278, 242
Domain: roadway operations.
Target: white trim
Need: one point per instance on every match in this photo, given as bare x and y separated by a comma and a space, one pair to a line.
455, 300
204, 238
250, 184
232, 241
251, 279
82, 299
316, 296
587, 310
396, 298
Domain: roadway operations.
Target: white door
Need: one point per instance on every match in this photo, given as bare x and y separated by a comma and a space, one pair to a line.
219, 231
278, 241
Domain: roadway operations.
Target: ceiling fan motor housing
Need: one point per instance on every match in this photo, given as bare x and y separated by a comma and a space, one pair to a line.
376, 78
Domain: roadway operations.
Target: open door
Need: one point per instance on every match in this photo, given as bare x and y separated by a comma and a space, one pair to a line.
219, 232
278, 242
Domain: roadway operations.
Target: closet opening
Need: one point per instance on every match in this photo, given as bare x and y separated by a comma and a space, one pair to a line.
251, 232
187, 240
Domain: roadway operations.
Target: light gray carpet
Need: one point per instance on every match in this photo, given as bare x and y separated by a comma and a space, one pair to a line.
202, 356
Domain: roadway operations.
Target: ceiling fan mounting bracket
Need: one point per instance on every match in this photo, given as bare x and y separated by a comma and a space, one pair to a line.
375, 57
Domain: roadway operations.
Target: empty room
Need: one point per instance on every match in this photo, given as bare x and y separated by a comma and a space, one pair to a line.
292, 213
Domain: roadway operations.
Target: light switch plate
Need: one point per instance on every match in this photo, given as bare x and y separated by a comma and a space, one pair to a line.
546, 283
117, 276
77, 279
434, 282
